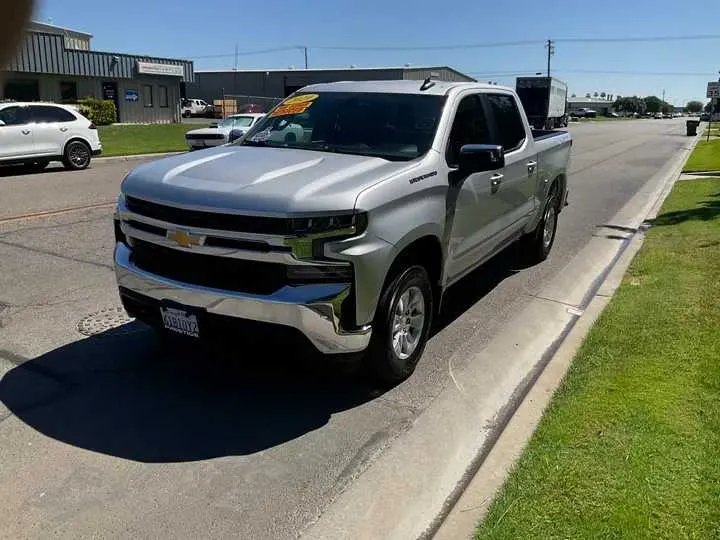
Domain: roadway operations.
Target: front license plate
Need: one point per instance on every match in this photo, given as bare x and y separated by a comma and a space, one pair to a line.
180, 321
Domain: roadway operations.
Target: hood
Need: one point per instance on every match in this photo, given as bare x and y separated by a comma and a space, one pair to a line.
209, 131
266, 181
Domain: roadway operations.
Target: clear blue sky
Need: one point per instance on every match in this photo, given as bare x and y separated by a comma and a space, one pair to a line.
191, 29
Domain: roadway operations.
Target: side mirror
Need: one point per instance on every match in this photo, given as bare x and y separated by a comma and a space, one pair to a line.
2, 123
475, 158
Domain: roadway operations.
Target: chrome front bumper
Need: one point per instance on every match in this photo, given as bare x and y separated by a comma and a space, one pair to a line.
314, 310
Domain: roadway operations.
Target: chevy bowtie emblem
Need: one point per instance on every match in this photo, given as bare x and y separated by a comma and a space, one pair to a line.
185, 239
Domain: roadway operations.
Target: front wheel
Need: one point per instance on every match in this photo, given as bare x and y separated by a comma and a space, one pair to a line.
402, 325
77, 156
538, 243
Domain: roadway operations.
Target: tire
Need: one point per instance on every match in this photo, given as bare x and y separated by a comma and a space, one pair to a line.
76, 156
186, 114
395, 348
37, 166
536, 245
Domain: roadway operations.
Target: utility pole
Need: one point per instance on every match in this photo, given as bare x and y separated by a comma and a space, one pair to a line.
236, 56
306, 60
550, 46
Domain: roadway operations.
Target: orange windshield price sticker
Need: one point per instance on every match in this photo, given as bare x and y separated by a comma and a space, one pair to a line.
295, 105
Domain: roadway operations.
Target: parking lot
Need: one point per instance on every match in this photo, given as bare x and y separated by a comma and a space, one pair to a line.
108, 433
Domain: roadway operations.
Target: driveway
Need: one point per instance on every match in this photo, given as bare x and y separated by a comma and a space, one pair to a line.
106, 433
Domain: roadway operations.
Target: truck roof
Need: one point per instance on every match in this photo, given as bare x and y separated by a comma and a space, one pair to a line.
439, 88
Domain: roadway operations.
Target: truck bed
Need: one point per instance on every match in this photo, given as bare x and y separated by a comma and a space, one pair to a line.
541, 134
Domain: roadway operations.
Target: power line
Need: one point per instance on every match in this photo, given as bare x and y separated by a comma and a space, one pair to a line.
430, 47
590, 71
659, 73
248, 53
638, 39
498, 44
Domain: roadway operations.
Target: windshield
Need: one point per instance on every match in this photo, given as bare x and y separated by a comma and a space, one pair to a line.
390, 126
237, 121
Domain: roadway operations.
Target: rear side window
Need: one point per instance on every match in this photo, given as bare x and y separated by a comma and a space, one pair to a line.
43, 114
509, 127
14, 116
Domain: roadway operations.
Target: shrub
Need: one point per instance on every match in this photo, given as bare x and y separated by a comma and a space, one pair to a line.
100, 112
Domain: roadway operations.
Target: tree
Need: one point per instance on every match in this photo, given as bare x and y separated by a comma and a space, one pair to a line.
587, 95
694, 107
603, 94
574, 95
595, 94
653, 104
709, 106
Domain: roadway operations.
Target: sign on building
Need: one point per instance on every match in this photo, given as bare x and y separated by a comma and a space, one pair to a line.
132, 95
151, 68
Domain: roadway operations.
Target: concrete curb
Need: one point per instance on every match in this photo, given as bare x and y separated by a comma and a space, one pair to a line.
134, 157
473, 503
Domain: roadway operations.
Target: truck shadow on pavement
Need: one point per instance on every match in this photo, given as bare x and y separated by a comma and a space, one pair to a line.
469, 290
121, 393
125, 394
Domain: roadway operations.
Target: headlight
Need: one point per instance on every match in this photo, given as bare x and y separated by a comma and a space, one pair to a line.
312, 233
352, 224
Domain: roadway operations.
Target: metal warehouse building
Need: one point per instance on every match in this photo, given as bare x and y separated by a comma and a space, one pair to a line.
57, 64
211, 85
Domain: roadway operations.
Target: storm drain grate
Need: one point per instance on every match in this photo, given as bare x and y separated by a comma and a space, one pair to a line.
114, 318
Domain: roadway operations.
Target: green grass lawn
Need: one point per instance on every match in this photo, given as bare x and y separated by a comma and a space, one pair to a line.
123, 140
705, 157
630, 445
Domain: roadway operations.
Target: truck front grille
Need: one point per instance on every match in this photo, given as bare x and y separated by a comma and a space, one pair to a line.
208, 270
209, 220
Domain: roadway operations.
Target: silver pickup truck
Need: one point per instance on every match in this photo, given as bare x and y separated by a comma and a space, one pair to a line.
345, 214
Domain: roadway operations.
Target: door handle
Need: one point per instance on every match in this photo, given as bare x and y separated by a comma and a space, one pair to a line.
496, 180
63, 129
26, 132
531, 164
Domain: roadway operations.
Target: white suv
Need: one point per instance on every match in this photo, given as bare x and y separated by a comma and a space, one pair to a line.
37, 133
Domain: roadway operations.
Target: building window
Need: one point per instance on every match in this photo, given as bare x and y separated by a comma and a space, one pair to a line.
68, 91
22, 90
163, 96
147, 95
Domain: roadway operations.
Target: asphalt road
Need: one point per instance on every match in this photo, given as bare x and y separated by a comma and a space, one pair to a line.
115, 436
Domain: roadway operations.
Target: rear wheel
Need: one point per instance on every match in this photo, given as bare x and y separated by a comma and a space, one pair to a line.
538, 243
77, 155
401, 326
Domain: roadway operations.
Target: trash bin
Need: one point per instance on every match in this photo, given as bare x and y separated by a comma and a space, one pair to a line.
692, 126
